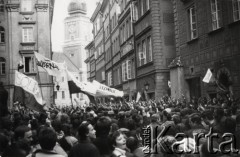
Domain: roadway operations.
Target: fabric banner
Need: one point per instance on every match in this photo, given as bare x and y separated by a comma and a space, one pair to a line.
76, 86
81, 87
103, 90
207, 78
52, 68
27, 91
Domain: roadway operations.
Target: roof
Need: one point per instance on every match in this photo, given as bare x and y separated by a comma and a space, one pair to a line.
96, 11
61, 57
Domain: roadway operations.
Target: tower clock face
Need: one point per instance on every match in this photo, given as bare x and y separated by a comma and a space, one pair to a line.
71, 28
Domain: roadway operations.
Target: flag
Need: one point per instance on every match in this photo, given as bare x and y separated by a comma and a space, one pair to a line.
103, 90
138, 97
208, 77
27, 91
52, 68
81, 87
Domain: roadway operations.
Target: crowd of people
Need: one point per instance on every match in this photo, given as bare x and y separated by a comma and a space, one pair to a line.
116, 129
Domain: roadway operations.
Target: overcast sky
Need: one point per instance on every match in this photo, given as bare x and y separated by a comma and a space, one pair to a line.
60, 12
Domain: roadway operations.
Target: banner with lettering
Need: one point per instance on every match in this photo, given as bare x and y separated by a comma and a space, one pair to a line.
103, 90
28, 92
52, 68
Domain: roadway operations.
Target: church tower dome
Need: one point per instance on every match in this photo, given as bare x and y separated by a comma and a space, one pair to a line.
77, 6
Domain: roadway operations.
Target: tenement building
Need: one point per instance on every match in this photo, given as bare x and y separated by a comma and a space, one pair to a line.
24, 28
154, 45
207, 37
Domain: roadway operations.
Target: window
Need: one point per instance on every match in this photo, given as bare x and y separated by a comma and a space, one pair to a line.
123, 33
149, 40
134, 11
110, 78
127, 29
193, 22
103, 75
63, 79
77, 95
142, 9
236, 10
26, 5
71, 55
215, 11
29, 64
143, 59
27, 34
2, 35
55, 94
129, 70
124, 71
63, 94
2, 66
147, 4
119, 76
1, 6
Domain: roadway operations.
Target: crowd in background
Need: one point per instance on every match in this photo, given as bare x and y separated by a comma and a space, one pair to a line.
116, 128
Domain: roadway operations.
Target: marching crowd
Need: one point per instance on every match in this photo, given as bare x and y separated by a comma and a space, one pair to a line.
116, 129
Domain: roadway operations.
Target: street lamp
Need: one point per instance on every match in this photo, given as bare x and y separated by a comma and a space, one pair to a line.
57, 87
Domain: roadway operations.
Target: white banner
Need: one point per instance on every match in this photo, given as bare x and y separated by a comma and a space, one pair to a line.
87, 87
52, 68
208, 76
30, 85
103, 90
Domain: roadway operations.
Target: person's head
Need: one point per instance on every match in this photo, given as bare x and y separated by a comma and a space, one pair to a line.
14, 151
154, 118
118, 140
103, 126
66, 128
195, 120
23, 132
218, 114
86, 130
3, 143
132, 143
47, 138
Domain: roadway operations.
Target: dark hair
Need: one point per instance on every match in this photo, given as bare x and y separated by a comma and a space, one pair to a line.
3, 142
195, 119
83, 130
20, 131
132, 143
238, 118
103, 126
66, 128
114, 137
14, 151
47, 138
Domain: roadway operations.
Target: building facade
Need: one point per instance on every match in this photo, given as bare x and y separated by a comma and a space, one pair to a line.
78, 34
207, 37
154, 45
25, 27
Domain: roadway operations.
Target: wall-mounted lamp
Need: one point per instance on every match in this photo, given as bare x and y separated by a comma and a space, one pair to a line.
57, 87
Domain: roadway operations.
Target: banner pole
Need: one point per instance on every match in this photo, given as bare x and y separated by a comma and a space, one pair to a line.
71, 99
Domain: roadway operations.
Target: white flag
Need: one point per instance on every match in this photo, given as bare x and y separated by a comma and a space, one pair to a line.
52, 68
76, 86
28, 84
208, 76
138, 97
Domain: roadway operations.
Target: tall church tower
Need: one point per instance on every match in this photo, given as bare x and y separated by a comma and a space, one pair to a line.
77, 35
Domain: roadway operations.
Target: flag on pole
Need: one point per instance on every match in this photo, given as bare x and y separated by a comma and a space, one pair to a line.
80, 87
138, 96
27, 91
52, 68
208, 77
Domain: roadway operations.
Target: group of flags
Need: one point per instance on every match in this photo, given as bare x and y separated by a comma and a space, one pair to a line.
27, 90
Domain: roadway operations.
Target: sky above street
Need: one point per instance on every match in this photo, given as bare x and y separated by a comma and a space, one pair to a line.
60, 13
